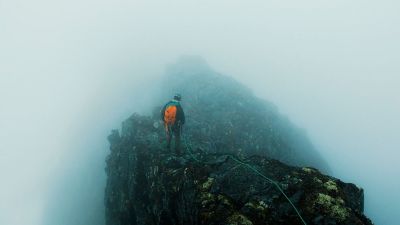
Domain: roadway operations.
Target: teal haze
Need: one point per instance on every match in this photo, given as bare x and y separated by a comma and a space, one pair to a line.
70, 71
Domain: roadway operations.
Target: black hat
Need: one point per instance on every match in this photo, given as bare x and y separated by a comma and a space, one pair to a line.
177, 97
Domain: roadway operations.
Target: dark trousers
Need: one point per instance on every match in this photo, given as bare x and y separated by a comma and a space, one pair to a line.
174, 130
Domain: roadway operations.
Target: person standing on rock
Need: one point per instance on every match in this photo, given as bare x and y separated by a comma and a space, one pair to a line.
173, 116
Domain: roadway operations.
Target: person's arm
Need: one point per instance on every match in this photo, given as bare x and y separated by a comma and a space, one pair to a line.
163, 112
182, 115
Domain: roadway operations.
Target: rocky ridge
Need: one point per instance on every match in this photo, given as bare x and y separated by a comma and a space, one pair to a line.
242, 160
148, 185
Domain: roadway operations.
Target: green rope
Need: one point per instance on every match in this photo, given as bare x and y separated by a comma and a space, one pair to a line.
190, 152
273, 182
256, 172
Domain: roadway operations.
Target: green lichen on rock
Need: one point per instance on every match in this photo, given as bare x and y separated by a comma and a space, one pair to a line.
308, 170
207, 199
263, 204
331, 186
258, 206
238, 219
207, 184
316, 180
334, 207
224, 200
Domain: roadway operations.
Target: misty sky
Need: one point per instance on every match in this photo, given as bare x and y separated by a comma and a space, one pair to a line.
72, 70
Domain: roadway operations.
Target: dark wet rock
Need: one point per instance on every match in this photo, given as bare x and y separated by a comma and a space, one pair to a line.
148, 185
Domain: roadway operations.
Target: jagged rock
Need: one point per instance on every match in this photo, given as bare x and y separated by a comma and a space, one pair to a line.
148, 185
232, 143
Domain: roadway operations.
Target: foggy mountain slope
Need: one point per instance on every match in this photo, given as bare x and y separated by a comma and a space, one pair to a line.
225, 116
230, 137
148, 185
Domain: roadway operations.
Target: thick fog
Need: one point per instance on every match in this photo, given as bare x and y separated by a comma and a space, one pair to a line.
70, 71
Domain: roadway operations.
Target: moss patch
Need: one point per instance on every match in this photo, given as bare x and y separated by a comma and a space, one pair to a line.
238, 219
207, 199
207, 185
308, 169
331, 186
334, 207
259, 206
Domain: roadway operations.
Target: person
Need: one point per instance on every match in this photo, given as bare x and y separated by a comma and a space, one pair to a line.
174, 118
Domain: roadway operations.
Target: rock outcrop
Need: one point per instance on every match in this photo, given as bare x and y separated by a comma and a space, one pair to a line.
243, 163
148, 185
